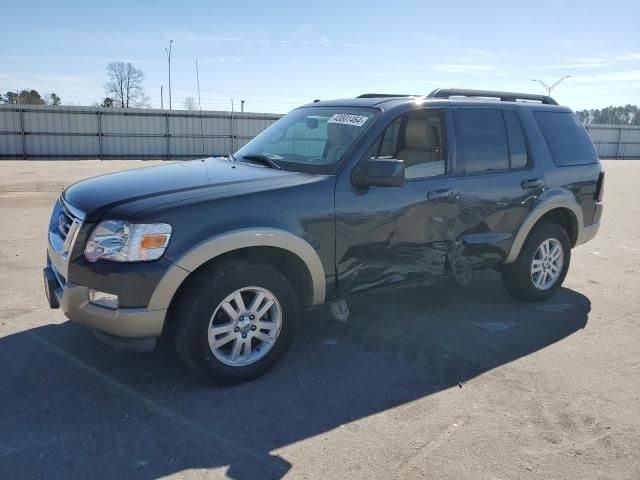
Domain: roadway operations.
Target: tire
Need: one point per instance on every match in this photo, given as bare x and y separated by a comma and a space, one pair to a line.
518, 277
209, 304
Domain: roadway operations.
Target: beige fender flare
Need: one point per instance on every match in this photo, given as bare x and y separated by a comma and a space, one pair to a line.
552, 199
235, 240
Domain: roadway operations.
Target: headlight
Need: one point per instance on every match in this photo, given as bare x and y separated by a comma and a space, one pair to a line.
127, 242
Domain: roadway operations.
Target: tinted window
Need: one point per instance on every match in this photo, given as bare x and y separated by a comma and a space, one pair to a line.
387, 144
567, 139
484, 139
417, 138
517, 144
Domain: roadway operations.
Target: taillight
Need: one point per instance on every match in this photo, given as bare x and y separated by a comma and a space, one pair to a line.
600, 188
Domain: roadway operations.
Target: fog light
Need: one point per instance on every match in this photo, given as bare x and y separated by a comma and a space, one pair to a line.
107, 300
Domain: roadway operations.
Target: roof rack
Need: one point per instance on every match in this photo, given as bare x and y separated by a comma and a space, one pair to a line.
384, 95
503, 96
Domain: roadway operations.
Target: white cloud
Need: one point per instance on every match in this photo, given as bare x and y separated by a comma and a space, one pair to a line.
478, 69
593, 62
270, 42
629, 78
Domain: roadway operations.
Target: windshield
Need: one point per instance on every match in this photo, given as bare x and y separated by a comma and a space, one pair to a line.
311, 139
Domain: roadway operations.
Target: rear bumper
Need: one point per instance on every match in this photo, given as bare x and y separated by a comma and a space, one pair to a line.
590, 231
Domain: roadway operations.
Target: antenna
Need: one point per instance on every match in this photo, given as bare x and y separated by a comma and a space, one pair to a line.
232, 136
200, 106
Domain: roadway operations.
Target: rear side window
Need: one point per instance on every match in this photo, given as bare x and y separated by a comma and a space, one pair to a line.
517, 143
567, 139
484, 139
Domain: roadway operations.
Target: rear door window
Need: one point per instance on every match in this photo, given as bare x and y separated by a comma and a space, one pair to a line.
517, 143
484, 139
567, 139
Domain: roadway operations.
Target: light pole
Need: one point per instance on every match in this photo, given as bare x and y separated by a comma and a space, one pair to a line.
548, 88
168, 50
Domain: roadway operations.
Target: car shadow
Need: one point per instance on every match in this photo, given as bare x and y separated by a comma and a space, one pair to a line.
71, 407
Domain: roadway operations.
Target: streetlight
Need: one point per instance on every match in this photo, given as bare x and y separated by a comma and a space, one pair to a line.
550, 88
168, 50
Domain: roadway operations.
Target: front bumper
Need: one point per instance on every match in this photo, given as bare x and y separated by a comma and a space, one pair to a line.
124, 327
122, 322
128, 328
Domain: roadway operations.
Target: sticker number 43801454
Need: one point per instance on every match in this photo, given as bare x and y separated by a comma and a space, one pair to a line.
346, 119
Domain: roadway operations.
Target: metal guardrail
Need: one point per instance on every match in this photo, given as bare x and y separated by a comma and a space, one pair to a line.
31, 132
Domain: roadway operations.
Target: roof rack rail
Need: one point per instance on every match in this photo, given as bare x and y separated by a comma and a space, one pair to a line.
503, 96
384, 95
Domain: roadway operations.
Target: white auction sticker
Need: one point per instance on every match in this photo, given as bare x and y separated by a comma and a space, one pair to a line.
346, 119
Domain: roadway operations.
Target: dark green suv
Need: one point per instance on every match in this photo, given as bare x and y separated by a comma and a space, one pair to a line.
337, 197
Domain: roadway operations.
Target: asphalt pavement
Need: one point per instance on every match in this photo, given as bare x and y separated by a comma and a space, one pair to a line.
442, 382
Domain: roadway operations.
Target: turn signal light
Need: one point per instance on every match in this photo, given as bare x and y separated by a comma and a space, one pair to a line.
154, 241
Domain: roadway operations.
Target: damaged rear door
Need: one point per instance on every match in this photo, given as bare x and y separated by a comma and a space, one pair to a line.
393, 235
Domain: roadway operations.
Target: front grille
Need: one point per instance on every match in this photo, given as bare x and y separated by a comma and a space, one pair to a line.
65, 221
63, 228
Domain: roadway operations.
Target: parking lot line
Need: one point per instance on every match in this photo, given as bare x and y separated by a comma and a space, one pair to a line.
156, 407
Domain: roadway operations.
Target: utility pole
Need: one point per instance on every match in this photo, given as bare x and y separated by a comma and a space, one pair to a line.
168, 50
231, 128
161, 98
200, 106
548, 88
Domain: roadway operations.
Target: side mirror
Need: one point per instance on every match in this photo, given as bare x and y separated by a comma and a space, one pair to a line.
379, 172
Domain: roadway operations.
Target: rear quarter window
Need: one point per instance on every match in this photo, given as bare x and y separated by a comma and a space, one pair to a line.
567, 140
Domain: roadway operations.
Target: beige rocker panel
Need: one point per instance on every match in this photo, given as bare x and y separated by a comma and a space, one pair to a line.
227, 242
553, 199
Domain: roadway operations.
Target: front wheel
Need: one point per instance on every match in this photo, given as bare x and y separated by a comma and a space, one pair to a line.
542, 265
235, 321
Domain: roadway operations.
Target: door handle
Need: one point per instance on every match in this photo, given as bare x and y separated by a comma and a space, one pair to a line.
443, 194
532, 183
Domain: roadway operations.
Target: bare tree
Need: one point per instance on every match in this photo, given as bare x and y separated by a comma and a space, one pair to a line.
53, 99
189, 103
125, 85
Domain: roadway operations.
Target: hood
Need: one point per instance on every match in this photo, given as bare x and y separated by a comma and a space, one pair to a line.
177, 180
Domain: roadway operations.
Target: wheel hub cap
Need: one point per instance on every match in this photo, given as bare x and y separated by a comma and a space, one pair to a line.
547, 264
245, 326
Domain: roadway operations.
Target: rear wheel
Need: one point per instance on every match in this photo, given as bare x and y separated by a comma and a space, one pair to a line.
235, 320
542, 265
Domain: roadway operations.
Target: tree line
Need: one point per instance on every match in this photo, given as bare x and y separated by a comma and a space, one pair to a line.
627, 115
29, 97
123, 89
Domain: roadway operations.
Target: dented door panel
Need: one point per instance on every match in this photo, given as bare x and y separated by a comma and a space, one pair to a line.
387, 236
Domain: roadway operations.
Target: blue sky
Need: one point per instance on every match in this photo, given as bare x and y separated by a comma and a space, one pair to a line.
277, 55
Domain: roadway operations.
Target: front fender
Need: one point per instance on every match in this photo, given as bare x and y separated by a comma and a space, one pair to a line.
235, 240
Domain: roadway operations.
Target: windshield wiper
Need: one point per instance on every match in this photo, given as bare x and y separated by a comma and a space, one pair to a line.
257, 157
